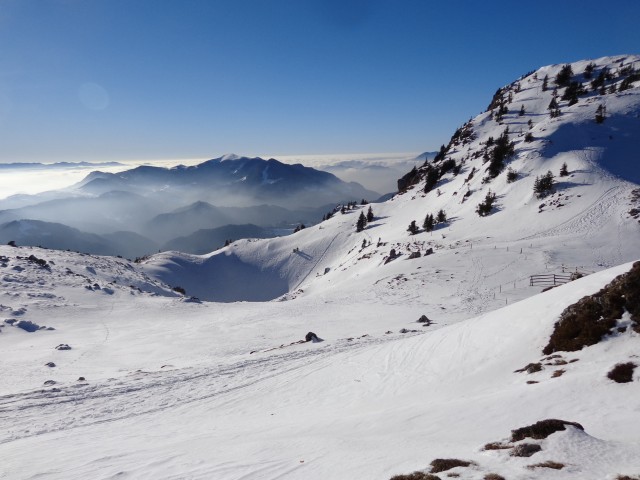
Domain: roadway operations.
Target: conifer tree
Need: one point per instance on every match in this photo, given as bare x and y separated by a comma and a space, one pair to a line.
413, 228
521, 111
483, 209
441, 217
554, 108
361, 223
564, 171
545, 83
370, 215
564, 76
429, 223
543, 185
601, 112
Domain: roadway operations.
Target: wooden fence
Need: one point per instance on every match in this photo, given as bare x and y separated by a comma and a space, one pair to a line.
550, 280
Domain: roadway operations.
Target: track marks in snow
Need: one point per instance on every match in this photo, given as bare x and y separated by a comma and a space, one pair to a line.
67, 407
588, 220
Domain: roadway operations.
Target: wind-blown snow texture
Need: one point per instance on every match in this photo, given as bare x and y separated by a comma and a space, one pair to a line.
176, 388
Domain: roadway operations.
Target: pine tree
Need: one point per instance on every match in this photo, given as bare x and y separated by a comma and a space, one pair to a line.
588, 70
431, 180
483, 209
502, 150
545, 83
413, 228
361, 223
441, 217
564, 171
370, 215
554, 108
544, 185
429, 223
601, 112
521, 111
564, 76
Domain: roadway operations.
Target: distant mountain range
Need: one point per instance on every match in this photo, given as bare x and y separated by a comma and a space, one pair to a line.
232, 180
154, 205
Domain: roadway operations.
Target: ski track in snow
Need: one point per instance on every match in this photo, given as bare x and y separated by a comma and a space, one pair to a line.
44, 411
588, 220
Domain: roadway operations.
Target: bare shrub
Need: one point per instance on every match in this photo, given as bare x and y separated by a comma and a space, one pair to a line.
587, 321
525, 450
416, 476
443, 464
531, 368
493, 476
496, 446
541, 429
547, 464
622, 372
558, 373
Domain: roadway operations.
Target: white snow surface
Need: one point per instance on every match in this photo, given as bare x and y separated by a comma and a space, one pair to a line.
175, 388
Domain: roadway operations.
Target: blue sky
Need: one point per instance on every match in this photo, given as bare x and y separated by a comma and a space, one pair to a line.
102, 80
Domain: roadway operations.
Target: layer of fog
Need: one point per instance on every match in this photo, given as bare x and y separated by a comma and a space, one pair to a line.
63, 208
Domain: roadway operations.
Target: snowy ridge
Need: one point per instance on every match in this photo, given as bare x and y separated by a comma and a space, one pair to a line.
572, 226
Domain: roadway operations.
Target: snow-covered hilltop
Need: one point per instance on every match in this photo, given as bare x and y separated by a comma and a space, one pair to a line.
435, 349
500, 154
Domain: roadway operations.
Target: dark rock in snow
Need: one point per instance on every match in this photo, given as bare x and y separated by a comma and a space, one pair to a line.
28, 326
50, 382
63, 346
312, 337
50, 364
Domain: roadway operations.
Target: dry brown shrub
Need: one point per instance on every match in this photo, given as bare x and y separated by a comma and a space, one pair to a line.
622, 372
541, 429
531, 368
416, 476
496, 446
588, 320
547, 464
525, 450
443, 464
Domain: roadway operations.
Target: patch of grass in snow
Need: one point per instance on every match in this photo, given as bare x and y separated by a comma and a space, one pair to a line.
416, 476
444, 464
589, 320
493, 476
547, 464
541, 429
622, 372
496, 446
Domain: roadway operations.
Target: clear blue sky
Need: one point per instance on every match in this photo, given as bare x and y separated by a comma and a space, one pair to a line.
148, 79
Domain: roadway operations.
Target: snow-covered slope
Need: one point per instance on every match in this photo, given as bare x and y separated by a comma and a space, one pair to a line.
159, 385
185, 390
587, 222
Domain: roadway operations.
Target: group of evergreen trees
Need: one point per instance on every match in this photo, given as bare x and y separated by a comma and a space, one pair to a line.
430, 221
484, 208
363, 220
501, 151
